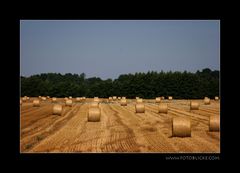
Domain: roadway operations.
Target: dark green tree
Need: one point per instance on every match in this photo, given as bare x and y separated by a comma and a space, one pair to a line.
152, 84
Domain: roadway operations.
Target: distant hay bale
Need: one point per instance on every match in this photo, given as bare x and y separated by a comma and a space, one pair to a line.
214, 123
36, 103
123, 102
181, 127
110, 99
43, 98
162, 98
54, 99
65, 98
206, 101
96, 99
170, 98
78, 99
194, 105
123, 97
216, 98
94, 114
70, 97
57, 109
163, 108
158, 100
24, 99
140, 108
68, 103
139, 100
119, 98
48, 97
114, 98
94, 104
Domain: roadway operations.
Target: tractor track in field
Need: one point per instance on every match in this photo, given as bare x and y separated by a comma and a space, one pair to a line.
44, 127
176, 112
77, 135
30, 109
150, 129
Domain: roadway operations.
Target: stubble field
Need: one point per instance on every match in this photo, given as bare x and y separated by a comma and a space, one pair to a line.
120, 129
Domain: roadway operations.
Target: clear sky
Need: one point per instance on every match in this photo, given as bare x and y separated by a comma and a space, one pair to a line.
108, 48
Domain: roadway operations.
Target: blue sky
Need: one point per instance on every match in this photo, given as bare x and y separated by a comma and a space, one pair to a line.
108, 48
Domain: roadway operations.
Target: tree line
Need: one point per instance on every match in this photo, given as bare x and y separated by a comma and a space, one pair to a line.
184, 85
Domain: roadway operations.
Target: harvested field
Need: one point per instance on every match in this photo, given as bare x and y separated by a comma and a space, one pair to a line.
120, 128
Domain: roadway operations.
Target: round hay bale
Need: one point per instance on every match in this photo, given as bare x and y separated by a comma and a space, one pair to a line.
206, 101
83, 99
70, 97
43, 98
123, 102
163, 108
214, 123
194, 105
57, 109
94, 114
181, 127
139, 100
170, 98
36, 103
110, 99
48, 97
65, 98
94, 104
68, 103
54, 99
114, 98
24, 99
140, 108
96, 99
78, 99
123, 97
162, 98
119, 98
216, 98
158, 100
